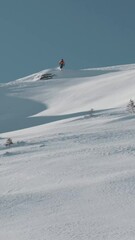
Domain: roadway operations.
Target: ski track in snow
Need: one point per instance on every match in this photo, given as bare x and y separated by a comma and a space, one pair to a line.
70, 173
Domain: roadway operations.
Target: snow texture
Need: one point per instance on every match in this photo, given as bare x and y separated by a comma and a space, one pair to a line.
70, 172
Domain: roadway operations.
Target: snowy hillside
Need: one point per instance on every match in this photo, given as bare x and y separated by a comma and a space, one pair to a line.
70, 172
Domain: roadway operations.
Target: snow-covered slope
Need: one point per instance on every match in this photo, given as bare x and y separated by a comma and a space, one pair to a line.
29, 101
70, 172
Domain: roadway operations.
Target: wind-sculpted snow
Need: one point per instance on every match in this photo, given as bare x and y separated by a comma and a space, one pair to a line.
70, 172
30, 101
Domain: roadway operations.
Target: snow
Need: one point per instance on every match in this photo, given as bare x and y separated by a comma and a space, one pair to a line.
70, 173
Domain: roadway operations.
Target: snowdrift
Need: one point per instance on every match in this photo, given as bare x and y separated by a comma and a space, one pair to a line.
70, 170
30, 101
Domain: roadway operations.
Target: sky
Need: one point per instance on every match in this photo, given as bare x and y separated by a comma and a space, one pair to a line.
36, 34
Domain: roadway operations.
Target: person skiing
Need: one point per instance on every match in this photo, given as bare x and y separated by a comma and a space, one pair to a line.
61, 63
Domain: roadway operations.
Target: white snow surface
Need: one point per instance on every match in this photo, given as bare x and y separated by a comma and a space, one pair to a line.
70, 173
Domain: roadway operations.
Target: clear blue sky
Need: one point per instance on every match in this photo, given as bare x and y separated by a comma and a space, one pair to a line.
35, 34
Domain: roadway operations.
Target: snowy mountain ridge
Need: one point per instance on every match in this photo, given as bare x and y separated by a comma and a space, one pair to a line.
68, 92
